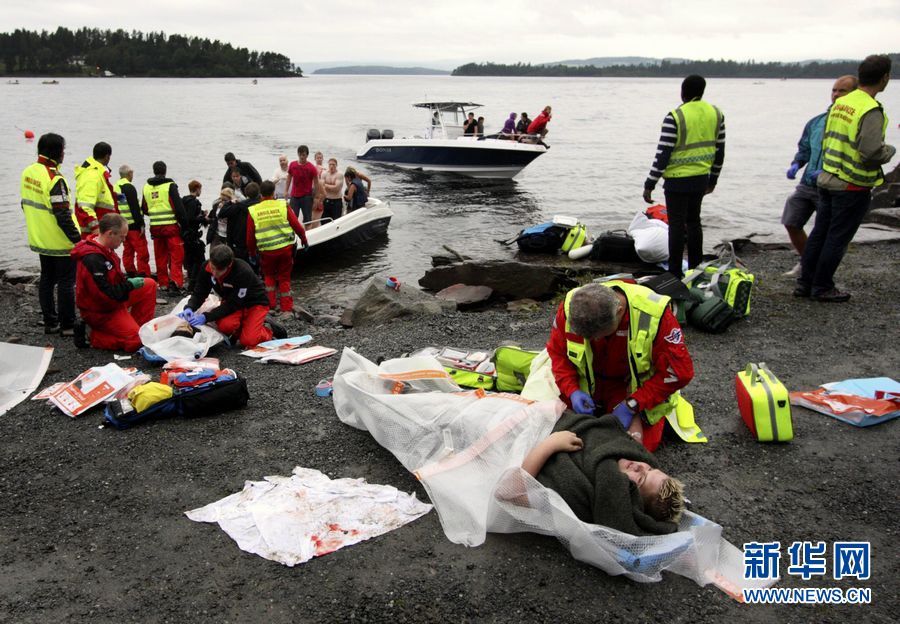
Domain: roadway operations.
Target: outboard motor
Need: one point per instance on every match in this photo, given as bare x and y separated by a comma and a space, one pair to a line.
387, 134
373, 134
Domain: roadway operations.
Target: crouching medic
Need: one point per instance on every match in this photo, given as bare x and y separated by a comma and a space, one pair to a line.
112, 306
617, 348
242, 313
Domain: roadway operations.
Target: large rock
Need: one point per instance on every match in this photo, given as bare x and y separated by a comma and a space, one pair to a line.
465, 296
379, 304
16, 276
516, 280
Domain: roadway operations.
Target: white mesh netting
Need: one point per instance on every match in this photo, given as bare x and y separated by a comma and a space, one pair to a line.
467, 447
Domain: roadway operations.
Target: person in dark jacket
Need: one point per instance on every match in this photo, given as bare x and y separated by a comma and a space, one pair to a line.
248, 172
162, 204
236, 216
192, 235
242, 313
113, 306
524, 122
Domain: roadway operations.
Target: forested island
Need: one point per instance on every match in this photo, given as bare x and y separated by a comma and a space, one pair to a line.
381, 70
92, 52
671, 69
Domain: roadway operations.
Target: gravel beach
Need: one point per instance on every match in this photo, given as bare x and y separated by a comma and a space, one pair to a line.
92, 525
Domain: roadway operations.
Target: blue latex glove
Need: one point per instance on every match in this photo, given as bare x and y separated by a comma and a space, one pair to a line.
623, 414
582, 402
815, 174
197, 320
792, 171
186, 315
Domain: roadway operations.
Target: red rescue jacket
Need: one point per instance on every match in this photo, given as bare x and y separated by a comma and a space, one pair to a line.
100, 284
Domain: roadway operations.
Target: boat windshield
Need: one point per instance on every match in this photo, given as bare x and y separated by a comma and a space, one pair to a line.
445, 119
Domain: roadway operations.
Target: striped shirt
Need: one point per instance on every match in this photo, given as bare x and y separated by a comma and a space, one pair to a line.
667, 138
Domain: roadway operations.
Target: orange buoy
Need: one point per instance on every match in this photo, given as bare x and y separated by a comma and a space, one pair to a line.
29, 134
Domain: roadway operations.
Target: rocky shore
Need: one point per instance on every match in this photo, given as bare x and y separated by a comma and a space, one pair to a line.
92, 520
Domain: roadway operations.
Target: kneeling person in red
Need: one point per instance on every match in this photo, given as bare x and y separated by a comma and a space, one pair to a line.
113, 306
242, 313
270, 232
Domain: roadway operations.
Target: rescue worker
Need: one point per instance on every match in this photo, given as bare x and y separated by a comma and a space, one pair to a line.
689, 156
853, 152
135, 246
242, 312
617, 348
162, 204
112, 305
52, 232
94, 194
271, 226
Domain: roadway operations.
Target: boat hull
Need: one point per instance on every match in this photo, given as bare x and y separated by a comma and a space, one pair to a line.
489, 158
355, 228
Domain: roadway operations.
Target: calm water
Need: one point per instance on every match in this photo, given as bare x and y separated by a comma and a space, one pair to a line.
603, 138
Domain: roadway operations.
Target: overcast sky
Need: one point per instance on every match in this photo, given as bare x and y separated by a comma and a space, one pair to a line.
444, 34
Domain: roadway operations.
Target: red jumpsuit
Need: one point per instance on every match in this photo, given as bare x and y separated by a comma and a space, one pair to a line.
276, 265
107, 303
672, 366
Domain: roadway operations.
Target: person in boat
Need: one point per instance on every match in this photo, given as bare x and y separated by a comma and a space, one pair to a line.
319, 159
470, 125
524, 122
248, 171
509, 127
242, 312
333, 183
356, 196
539, 125
279, 177
271, 226
605, 477
112, 306
303, 182
602, 364
480, 126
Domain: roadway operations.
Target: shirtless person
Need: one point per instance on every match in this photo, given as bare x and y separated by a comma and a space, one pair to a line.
333, 182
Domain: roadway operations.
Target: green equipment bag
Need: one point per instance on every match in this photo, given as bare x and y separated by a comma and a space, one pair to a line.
471, 379
575, 238
726, 280
764, 404
513, 365
710, 313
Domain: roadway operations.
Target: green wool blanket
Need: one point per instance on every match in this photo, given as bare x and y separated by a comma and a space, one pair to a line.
590, 481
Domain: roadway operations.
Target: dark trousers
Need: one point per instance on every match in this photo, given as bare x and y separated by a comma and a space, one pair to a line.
57, 272
303, 206
332, 208
684, 218
837, 219
194, 259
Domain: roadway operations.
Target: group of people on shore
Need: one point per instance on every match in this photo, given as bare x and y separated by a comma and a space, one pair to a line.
842, 149
251, 231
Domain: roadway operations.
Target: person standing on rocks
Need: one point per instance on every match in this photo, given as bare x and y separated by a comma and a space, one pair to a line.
135, 246
617, 348
94, 194
162, 204
854, 150
52, 233
802, 203
689, 156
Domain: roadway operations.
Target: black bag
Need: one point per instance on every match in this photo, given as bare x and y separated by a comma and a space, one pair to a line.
544, 238
711, 314
615, 246
668, 285
210, 400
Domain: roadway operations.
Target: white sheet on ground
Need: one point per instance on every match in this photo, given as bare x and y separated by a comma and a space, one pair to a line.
21, 370
156, 334
293, 519
467, 449
651, 238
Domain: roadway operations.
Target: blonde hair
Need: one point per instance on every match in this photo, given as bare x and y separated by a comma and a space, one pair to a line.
669, 502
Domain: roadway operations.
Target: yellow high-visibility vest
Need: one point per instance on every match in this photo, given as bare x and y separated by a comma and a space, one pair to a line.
92, 193
158, 207
840, 147
271, 225
698, 124
44, 234
124, 208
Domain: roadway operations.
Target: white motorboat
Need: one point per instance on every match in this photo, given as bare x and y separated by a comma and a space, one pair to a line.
331, 237
444, 148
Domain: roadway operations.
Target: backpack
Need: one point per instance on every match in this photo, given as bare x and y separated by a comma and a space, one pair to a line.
615, 246
544, 238
513, 365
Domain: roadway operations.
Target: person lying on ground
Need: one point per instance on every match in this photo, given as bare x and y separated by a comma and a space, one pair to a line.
242, 313
606, 477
